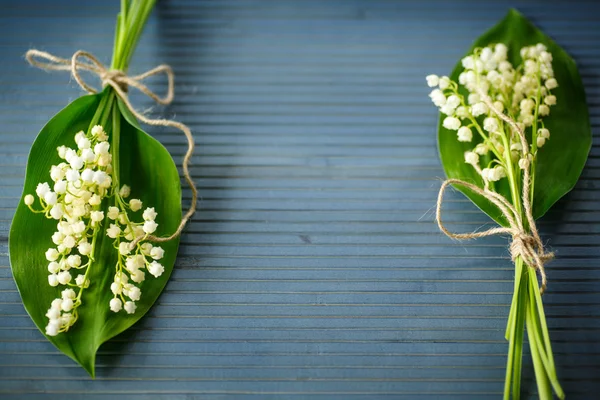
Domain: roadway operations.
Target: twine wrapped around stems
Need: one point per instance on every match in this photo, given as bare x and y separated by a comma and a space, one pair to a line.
524, 244
119, 81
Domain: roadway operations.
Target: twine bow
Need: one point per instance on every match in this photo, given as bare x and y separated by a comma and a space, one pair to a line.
119, 81
527, 245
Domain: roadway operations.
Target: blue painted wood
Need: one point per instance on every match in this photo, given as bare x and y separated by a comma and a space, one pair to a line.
313, 268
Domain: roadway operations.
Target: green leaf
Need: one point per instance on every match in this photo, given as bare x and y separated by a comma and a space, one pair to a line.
148, 168
563, 157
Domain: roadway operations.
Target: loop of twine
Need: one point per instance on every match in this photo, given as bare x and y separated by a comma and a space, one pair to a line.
527, 245
120, 82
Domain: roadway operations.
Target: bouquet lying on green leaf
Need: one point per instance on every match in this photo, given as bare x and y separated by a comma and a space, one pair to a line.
94, 240
514, 136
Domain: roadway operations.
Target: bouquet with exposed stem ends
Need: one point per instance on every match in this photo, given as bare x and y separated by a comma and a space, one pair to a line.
514, 136
94, 240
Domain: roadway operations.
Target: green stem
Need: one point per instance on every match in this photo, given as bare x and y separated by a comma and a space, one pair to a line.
510, 336
98, 113
541, 378
537, 298
89, 264
130, 23
520, 329
539, 319
512, 179
533, 326
543, 369
513, 308
515, 330
104, 109
485, 137
534, 131
116, 140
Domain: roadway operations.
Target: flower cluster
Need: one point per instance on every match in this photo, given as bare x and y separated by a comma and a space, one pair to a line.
523, 93
81, 184
132, 262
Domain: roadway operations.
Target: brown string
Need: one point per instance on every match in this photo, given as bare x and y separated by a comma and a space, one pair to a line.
119, 81
528, 246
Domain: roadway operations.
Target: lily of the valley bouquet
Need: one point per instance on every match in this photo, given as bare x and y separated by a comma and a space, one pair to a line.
95, 237
514, 136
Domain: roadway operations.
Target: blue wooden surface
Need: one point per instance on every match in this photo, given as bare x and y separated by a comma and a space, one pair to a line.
313, 268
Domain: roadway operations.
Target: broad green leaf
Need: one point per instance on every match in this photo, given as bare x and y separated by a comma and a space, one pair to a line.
148, 168
563, 157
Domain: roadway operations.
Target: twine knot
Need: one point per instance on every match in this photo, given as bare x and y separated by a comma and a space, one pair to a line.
526, 242
120, 82
114, 75
521, 246
531, 250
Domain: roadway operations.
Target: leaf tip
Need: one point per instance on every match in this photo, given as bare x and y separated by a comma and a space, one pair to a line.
90, 369
88, 363
514, 14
